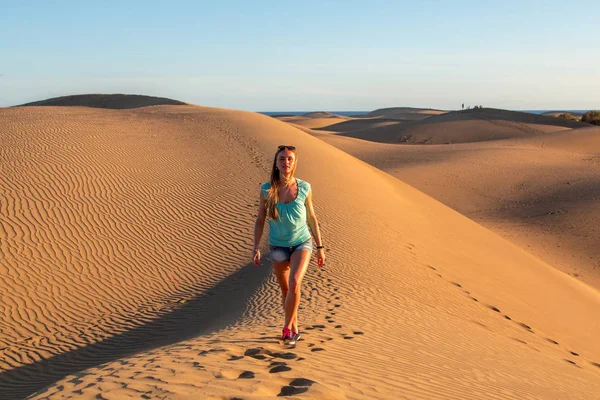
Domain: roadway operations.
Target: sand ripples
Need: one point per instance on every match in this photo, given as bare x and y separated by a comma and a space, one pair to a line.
108, 220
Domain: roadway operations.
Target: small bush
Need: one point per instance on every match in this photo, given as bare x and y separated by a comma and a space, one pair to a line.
568, 116
591, 117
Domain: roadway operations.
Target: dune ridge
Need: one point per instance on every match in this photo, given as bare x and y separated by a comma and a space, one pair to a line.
465, 126
404, 113
167, 215
111, 101
540, 192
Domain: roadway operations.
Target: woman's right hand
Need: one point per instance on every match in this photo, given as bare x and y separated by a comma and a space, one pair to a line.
256, 258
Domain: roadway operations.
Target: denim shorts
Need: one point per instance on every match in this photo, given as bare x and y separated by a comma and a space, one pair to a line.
283, 254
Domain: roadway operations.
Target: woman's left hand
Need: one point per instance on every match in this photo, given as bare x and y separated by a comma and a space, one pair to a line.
321, 257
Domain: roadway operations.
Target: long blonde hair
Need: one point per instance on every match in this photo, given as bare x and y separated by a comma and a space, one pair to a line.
273, 194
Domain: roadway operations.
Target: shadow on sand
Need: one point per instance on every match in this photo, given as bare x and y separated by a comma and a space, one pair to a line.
214, 309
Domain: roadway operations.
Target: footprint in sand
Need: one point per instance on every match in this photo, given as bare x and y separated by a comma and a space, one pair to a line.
277, 363
279, 368
246, 375
255, 353
318, 349
285, 356
291, 390
297, 386
252, 352
301, 382
525, 326
572, 362
494, 308
235, 358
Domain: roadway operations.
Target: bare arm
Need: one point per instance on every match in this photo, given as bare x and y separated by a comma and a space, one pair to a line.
311, 219
260, 222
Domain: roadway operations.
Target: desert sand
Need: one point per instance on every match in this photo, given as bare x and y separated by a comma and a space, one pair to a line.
474, 125
126, 272
538, 190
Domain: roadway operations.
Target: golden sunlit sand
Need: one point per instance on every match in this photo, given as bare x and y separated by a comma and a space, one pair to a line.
474, 125
126, 238
540, 190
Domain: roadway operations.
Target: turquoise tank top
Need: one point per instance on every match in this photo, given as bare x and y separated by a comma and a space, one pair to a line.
291, 228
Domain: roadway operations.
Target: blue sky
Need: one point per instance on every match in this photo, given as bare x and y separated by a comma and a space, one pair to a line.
306, 55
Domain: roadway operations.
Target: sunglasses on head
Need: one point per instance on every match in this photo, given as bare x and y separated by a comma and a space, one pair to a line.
286, 147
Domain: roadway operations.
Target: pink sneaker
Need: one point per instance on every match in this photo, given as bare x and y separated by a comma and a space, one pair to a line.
288, 337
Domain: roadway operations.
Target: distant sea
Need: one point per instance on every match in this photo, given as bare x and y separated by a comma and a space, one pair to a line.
351, 113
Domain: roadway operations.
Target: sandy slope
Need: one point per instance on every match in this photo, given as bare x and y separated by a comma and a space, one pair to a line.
313, 121
539, 192
466, 126
404, 113
126, 237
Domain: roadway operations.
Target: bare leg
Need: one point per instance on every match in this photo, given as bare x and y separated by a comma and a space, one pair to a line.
282, 272
298, 266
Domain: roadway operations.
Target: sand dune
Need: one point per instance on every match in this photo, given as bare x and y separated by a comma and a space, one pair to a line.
126, 237
312, 122
113, 101
339, 125
364, 123
321, 114
361, 125
540, 192
404, 113
464, 126
582, 140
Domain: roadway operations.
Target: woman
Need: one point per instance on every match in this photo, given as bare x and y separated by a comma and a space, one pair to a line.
287, 201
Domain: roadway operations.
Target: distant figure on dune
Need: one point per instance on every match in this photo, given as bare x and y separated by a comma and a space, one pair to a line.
287, 201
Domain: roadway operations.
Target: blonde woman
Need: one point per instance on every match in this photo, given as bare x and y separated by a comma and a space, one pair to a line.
287, 202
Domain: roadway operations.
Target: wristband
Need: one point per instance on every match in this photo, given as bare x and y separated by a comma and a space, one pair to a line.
320, 247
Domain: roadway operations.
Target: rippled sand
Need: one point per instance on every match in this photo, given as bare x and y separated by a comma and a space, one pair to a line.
126, 238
